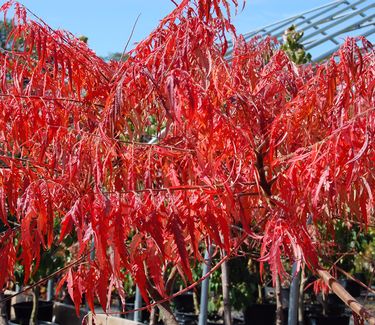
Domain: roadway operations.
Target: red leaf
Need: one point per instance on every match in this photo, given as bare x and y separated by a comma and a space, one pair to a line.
322, 180
176, 228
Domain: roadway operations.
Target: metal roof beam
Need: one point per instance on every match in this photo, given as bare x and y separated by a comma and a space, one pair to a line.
336, 22
331, 51
324, 26
324, 19
291, 19
340, 32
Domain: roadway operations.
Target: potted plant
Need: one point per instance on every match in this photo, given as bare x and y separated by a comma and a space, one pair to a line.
332, 311
248, 293
32, 312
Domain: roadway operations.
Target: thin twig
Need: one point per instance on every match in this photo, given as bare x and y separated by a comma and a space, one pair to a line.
50, 276
185, 188
351, 302
130, 37
354, 279
188, 288
51, 99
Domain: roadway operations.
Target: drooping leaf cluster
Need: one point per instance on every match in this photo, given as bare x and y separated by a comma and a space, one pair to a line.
254, 142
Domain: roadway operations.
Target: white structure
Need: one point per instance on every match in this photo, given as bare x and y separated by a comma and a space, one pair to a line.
326, 27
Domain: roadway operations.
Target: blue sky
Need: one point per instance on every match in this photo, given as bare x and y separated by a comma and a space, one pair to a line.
108, 23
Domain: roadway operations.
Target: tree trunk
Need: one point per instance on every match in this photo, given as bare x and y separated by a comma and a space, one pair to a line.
154, 315
3, 310
34, 312
279, 303
196, 302
226, 301
325, 303
167, 314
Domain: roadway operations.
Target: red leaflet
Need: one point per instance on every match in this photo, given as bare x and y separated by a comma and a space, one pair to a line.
361, 151
103, 288
175, 226
70, 284
3, 213
66, 226
7, 257
321, 183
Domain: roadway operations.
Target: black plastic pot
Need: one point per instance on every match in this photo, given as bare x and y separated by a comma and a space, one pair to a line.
286, 315
312, 309
145, 314
352, 287
184, 303
129, 306
333, 304
186, 318
214, 318
23, 311
7, 305
68, 300
260, 314
285, 292
328, 320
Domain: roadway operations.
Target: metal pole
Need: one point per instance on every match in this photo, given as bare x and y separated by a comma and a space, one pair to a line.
50, 290
293, 296
204, 290
137, 304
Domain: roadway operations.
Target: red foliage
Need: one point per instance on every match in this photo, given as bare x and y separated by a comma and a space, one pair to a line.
253, 141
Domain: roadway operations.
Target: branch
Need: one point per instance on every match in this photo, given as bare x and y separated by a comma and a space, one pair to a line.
171, 280
76, 101
187, 188
25, 160
264, 184
354, 279
67, 45
130, 37
350, 301
306, 151
50, 276
190, 287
